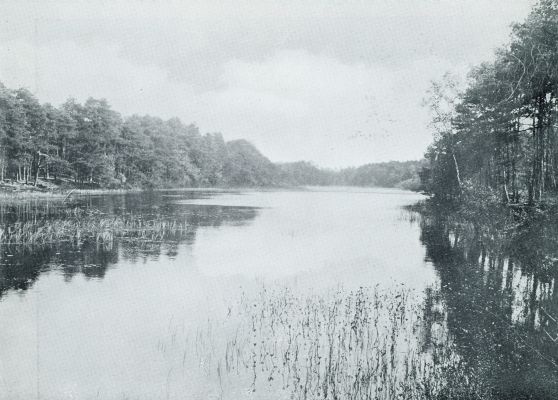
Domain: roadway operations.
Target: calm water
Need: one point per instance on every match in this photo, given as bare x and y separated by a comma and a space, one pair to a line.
138, 319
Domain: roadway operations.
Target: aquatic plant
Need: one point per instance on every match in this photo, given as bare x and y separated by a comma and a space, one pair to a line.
363, 344
78, 225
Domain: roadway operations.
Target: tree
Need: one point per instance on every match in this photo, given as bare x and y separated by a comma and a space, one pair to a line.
443, 99
501, 130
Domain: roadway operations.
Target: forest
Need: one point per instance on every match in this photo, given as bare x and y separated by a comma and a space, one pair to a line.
496, 135
92, 146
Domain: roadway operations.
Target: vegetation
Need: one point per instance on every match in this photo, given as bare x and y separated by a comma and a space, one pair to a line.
88, 235
340, 345
393, 174
496, 143
498, 134
497, 272
403, 175
78, 225
92, 146
305, 173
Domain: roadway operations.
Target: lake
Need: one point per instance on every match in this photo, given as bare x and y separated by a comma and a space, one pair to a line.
272, 295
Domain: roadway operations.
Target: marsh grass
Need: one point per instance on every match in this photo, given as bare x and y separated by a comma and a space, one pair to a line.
363, 344
17, 196
76, 225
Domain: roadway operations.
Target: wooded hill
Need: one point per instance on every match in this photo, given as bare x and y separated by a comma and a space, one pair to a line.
91, 145
498, 135
393, 174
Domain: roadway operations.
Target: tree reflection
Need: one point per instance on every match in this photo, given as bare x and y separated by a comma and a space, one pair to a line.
21, 265
497, 294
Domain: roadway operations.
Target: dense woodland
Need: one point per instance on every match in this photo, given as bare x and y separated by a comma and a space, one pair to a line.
91, 145
498, 135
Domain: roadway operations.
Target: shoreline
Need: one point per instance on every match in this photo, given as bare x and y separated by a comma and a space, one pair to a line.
22, 191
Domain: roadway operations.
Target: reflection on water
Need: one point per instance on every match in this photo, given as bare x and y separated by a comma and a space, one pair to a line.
339, 344
362, 297
496, 293
21, 265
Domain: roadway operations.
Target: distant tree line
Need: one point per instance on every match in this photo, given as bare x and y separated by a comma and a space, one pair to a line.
399, 174
392, 174
499, 134
94, 146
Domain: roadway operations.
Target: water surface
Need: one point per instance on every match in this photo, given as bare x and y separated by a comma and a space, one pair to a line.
135, 319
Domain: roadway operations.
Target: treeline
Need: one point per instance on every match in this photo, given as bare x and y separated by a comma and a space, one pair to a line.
498, 135
393, 174
92, 145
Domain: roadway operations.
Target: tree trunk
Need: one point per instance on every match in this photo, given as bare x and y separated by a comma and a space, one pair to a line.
532, 189
457, 174
36, 178
506, 193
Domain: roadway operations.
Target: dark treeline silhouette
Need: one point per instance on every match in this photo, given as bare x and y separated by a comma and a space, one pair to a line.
92, 145
499, 133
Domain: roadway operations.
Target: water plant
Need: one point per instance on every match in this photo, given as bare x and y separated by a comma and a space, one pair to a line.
78, 225
361, 344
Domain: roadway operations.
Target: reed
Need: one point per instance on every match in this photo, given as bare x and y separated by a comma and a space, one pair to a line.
363, 344
78, 226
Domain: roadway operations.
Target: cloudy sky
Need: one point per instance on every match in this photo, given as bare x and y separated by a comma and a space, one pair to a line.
336, 82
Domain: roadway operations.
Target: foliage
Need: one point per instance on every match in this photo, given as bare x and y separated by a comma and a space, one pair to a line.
245, 165
390, 174
400, 174
499, 132
92, 146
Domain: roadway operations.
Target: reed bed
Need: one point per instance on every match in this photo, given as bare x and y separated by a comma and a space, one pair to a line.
21, 195
364, 344
78, 226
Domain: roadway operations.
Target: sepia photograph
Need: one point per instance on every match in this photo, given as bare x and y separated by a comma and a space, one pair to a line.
278, 200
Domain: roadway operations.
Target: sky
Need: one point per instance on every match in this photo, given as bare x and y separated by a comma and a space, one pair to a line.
335, 82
